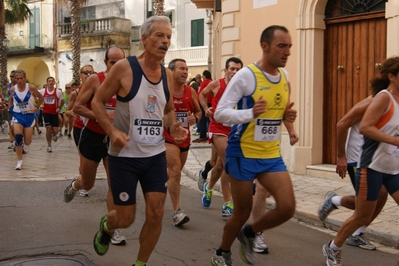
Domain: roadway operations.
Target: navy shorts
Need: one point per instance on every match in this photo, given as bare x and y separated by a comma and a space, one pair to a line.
126, 172
76, 135
369, 182
51, 120
352, 173
93, 146
245, 169
181, 148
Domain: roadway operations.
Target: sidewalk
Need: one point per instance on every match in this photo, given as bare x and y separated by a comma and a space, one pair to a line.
309, 194
309, 190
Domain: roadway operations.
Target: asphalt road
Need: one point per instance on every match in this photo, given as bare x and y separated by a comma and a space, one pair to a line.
36, 222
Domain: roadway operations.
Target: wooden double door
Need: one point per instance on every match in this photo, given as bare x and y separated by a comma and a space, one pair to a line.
355, 48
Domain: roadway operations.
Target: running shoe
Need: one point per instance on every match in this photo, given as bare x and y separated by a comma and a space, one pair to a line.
55, 138
223, 260
361, 242
10, 145
49, 149
207, 197
179, 218
246, 247
101, 238
259, 244
83, 193
70, 192
227, 209
333, 257
201, 180
117, 239
69, 136
327, 206
19, 165
65, 132
25, 149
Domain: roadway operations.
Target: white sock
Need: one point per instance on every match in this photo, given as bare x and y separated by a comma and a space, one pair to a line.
359, 231
334, 247
73, 186
336, 200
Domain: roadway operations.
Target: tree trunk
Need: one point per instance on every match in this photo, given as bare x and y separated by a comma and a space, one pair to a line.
3, 51
75, 39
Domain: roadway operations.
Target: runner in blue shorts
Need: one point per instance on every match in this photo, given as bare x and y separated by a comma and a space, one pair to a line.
379, 158
256, 102
25, 106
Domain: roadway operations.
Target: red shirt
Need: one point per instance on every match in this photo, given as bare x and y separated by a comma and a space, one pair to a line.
183, 106
203, 86
215, 127
92, 124
51, 101
78, 123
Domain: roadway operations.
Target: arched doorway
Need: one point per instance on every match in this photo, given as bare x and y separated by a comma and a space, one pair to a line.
36, 70
354, 47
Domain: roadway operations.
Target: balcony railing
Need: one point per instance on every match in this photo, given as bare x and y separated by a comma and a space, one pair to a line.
194, 56
112, 25
29, 42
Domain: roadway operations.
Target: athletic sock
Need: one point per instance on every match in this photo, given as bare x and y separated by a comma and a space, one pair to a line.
139, 263
333, 246
249, 232
108, 231
359, 231
336, 200
208, 167
73, 185
219, 251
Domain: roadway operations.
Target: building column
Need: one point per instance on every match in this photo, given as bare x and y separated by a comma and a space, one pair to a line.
392, 16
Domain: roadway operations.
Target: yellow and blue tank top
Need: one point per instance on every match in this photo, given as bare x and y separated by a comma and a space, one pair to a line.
260, 138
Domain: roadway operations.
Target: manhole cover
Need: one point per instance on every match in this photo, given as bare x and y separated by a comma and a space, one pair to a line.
48, 261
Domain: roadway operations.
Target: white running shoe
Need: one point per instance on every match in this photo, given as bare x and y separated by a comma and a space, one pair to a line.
19, 165
55, 138
25, 149
259, 244
49, 149
83, 193
179, 218
117, 239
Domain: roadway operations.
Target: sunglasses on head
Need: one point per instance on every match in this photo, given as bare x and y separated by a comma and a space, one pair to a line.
87, 72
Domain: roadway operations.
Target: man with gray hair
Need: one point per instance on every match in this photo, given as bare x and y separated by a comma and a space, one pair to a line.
144, 109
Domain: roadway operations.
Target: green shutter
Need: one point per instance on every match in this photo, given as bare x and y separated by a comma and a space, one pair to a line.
197, 32
34, 28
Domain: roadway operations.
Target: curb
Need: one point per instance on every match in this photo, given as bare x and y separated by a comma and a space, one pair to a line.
378, 236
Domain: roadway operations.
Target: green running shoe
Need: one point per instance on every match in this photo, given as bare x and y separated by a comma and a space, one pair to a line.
101, 238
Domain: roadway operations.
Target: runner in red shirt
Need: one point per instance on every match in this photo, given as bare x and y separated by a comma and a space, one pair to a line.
188, 111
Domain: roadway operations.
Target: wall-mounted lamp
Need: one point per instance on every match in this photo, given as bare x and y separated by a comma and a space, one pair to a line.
6, 42
61, 62
21, 33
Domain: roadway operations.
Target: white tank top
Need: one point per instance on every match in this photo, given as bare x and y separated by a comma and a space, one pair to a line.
140, 114
23, 101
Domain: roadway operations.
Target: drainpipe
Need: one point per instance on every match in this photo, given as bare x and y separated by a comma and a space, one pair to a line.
209, 13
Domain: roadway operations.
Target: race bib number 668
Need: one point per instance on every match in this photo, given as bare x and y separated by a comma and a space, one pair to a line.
267, 129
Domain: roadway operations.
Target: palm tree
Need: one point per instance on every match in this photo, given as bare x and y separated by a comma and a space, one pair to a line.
159, 8
17, 11
75, 36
